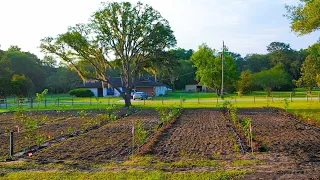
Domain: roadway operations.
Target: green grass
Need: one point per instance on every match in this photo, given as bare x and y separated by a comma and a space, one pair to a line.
130, 174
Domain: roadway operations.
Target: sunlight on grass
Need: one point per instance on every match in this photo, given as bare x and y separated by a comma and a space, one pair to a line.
130, 174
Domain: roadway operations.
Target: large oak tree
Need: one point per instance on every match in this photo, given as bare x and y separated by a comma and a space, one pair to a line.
124, 33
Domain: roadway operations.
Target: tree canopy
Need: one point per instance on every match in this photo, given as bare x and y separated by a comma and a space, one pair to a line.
130, 33
305, 17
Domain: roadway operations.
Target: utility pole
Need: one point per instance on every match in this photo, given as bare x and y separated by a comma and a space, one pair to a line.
222, 71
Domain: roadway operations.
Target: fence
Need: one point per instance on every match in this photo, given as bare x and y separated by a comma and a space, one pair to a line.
32, 103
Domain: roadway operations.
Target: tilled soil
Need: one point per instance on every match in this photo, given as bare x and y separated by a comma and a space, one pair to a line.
110, 142
293, 147
197, 133
54, 127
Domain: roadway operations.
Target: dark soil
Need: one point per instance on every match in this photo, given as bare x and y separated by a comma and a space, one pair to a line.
110, 142
197, 133
293, 147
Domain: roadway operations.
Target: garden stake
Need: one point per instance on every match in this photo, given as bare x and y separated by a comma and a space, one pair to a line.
307, 97
251, 137
11, 144
108, 100
144, 102
198, 100
45, 102
180, 101
132, 131
291, 97
90, 100
72, 101
6, 103
58, 101
254, 99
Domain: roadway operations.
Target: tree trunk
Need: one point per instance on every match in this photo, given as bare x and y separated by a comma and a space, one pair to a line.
268, 92
127, 97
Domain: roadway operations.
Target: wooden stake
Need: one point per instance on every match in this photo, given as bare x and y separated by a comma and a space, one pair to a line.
11, 144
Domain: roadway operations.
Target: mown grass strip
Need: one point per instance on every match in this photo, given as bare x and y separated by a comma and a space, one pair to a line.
131, 174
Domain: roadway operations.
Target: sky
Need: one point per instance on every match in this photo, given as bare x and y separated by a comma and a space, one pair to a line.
246, 26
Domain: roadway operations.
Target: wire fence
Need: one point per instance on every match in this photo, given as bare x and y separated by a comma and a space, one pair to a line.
33, 103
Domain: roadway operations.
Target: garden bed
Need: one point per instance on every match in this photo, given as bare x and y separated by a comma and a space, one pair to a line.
110, 142
197, 133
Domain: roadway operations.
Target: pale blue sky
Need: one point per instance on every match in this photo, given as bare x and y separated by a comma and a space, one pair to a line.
246, 26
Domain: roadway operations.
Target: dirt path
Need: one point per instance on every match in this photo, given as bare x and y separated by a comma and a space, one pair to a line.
110, 142
198, 132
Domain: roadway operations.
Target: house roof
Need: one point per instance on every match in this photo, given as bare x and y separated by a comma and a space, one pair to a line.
142, 82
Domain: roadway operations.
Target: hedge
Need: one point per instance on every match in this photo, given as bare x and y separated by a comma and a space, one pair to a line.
81, 93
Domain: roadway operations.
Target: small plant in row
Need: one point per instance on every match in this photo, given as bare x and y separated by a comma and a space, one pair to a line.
243, 124
167, 114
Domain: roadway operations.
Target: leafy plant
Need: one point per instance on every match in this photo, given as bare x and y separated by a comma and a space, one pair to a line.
70, 130
40, 139
140, 134
41, 96
286, 104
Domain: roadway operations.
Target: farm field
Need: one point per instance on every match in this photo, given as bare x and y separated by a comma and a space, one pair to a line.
197, 143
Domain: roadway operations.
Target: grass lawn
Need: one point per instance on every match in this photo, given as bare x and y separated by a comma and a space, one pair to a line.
130, 174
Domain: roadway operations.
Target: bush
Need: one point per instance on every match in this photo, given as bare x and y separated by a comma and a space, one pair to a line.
81, 93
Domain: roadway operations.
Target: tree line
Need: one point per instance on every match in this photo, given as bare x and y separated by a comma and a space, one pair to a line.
22, 74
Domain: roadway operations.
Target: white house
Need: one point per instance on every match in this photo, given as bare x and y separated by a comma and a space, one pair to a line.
149, 86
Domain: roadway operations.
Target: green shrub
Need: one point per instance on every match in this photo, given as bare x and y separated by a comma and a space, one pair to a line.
81, 93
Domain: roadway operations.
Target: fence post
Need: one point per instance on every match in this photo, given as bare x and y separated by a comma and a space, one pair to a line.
254, 99
11, 144
162, 99
58, 101
144, 101
6, 103
235, 99
90, 100
272, 98
45, 102
198, 99
307, 97
31, 102
291, 97
72, 101
180, 101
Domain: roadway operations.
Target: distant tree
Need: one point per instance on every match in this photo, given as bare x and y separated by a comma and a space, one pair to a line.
23, 63
63, 80
130, 33
209, 70
310, 69
245, 84
305, 17
49, 61
240, 62
22, 86
272, 78
280, 54
14, 49
257, 62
